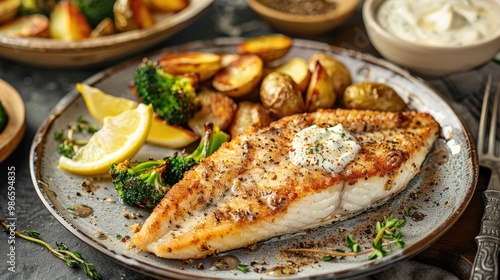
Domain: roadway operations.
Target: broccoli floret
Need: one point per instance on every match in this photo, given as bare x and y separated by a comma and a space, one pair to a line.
140, 183
173, 99
96, 10
210, 142
145, 183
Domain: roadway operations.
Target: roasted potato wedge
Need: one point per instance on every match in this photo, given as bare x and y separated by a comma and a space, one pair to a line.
249, 115
35, 25
372, 96
141, 14
203, 64
321, 92
227, 58
8, 9
297, 69
269, 47
281, 95
215, 108
336, 69
240, 77
124, 16
167, 6
104, 28
68, 23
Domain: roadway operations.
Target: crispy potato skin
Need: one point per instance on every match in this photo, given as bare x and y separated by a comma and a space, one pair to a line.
239, 77
68, 23
297, 69
269, 48
249, 116
281, 95
167, 6
336, 69
321, 90
216, 108
205, 65
27, 26
372, 96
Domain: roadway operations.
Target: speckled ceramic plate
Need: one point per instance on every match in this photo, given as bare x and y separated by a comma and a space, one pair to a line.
441, 191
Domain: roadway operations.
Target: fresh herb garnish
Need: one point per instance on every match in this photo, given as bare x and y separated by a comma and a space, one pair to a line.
387, 230
243, 268
69, 145
72, 258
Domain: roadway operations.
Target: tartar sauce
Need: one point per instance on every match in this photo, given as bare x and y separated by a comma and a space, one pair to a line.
440, 22
328, 148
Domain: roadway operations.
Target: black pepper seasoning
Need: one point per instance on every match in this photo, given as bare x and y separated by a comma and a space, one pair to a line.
301, 7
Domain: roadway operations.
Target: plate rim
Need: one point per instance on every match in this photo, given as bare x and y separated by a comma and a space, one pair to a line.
154, 270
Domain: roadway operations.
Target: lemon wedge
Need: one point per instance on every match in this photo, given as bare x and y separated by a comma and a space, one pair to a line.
120, 138
101, 104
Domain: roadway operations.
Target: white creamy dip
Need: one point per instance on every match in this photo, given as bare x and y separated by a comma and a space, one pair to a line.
440, 22
330, 148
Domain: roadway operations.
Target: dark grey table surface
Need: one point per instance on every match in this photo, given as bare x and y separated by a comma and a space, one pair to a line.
41, 89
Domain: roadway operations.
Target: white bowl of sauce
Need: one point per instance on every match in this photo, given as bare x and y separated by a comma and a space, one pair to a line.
434, 37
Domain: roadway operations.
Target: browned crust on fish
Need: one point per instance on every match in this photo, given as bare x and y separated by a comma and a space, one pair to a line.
251, 179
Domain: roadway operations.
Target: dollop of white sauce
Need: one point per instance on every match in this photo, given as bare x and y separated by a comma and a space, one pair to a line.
328, 148
440, 22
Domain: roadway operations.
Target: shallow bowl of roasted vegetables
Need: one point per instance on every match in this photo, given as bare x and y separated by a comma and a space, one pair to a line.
80, 33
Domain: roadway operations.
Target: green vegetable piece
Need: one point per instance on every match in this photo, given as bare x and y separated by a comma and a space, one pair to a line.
96, 10
61, 251
173, 99
145, 183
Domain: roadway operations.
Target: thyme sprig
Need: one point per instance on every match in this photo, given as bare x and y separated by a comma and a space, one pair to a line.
72, 258
68, 144
387, 230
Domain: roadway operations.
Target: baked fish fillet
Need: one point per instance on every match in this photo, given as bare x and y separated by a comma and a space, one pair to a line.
249, 190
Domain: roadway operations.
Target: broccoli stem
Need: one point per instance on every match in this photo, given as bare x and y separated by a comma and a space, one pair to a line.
211, 141
144, 166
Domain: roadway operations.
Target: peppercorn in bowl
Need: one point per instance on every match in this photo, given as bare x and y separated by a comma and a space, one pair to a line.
304, 18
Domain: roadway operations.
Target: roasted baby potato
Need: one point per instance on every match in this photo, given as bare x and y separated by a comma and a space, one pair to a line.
281, 95
9, 9
201, 63
141, 14
339, 73
104, 28
68, 23
269, 48
240, 77
167, 6
372, 96
35, 25
321, 92
215, 108
131, 15
298, 70
227, 58
249, 115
